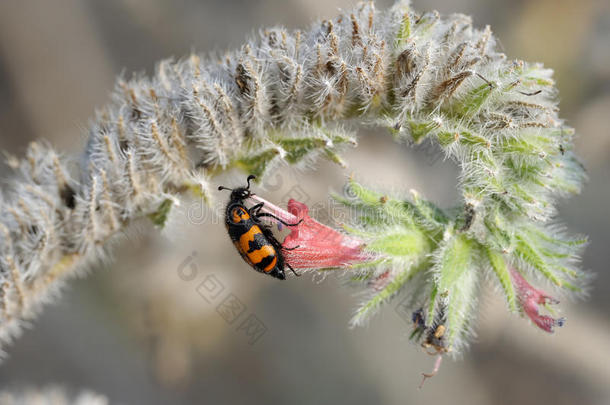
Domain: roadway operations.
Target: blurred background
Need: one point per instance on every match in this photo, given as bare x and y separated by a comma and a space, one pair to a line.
149, 327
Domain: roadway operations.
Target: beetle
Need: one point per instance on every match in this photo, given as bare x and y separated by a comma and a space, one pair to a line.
254, 240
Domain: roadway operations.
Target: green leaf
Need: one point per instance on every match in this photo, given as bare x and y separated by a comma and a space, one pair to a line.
498, 265
407, 242
572, 243
528, 253
404, 31
256, 164
456, 278
431, 310
159, 217
386, 293
429, 214
473, 101
368, 197
297, 148
376, 208
420, 129
463, 137
455, 260
334, 157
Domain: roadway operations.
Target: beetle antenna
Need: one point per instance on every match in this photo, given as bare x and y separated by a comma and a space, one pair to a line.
250, 178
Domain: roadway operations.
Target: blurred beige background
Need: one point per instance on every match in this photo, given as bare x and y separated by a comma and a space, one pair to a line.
139, 333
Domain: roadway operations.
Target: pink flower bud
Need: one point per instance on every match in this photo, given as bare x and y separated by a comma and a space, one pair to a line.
530, 298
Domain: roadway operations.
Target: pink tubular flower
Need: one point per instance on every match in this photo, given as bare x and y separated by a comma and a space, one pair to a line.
530, 298
312, 245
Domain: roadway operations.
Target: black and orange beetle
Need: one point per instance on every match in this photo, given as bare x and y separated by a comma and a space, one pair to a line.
254, 240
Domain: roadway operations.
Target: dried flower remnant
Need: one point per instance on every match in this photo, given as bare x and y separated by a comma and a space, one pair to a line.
435, 370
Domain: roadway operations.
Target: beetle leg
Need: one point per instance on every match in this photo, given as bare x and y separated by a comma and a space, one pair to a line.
265, 214
256, 208
291, 269
255, 212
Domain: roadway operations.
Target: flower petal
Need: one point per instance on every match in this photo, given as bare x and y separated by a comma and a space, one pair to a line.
315, 245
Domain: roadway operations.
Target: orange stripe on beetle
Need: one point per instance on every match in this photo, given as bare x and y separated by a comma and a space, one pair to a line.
257, 256
271, 265
239, 214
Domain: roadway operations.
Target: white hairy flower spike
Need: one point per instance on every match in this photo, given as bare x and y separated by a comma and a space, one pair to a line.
50, 395
289, 97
